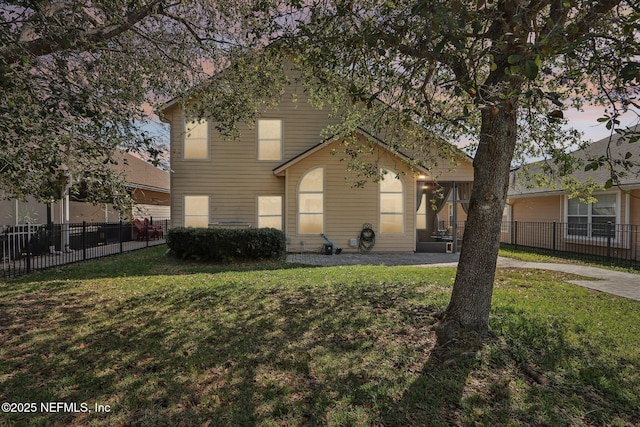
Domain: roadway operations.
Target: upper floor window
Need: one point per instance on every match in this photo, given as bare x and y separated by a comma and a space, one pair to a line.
391, 203
269, 139
590, 219
196, 140
311, 202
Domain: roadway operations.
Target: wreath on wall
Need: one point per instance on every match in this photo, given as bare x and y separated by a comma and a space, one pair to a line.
367, 238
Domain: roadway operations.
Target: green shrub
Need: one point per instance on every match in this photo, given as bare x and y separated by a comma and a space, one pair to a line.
221, 244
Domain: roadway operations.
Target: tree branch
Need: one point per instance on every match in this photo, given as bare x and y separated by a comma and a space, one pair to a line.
77, 42
592, 17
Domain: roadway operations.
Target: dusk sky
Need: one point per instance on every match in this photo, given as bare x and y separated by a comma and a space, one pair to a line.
587, 122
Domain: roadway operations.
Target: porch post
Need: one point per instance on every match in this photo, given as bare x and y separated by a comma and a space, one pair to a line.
67, 218
455, 217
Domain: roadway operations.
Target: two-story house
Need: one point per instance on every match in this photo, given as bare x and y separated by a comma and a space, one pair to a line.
281, 173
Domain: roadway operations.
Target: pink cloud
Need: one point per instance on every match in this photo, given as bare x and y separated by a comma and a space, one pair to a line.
586, 121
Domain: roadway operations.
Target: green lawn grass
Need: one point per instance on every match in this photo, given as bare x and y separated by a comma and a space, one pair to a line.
169, 343
531, 255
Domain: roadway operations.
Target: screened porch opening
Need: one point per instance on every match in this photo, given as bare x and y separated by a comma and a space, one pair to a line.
441, 213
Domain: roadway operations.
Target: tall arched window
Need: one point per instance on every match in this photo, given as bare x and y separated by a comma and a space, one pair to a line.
391, 203
311, 202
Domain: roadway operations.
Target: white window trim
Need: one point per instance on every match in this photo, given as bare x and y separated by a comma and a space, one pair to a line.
393, 174
184, 142
258, 216
589, 238
505, 226
281, 140
324, 186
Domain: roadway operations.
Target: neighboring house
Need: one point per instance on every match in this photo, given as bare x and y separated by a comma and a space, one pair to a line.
282, 174
579, 225
149, 187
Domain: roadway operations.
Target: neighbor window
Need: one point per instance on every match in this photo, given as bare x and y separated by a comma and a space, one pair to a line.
590, 219
270, 212
311, 202
196, 140
196, 211
391, 203
269, 139
506, 219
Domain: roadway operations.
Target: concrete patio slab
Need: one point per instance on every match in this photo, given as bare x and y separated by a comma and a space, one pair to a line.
610, 281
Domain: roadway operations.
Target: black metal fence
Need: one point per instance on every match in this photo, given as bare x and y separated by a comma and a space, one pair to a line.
29, 247
604, 242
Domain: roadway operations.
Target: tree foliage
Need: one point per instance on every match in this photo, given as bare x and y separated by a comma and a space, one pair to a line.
79, 78
443, 62
75, 75
500, 72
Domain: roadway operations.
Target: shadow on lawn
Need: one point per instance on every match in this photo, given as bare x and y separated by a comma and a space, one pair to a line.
315, 355
146, 262
305, 356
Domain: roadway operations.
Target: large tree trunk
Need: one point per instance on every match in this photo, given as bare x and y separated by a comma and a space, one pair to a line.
473, 287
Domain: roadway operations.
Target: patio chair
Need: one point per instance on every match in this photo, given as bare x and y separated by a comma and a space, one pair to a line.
143, 231
154, 230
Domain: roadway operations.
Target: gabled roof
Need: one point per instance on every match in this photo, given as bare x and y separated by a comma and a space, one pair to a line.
311, 151
618, 149
369, 135
140, 174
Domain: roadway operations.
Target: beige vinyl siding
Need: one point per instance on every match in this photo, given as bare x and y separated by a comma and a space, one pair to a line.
234, 179
346, 208
233, 176
459, 171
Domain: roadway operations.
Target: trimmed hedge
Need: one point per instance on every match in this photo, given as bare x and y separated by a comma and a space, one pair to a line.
221, 244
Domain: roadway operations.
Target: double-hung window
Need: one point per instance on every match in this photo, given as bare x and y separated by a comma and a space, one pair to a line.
270, 212
196, 140
269, 139
591, 219
196, 211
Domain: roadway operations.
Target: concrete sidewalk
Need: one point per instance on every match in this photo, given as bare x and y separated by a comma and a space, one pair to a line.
610, 281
